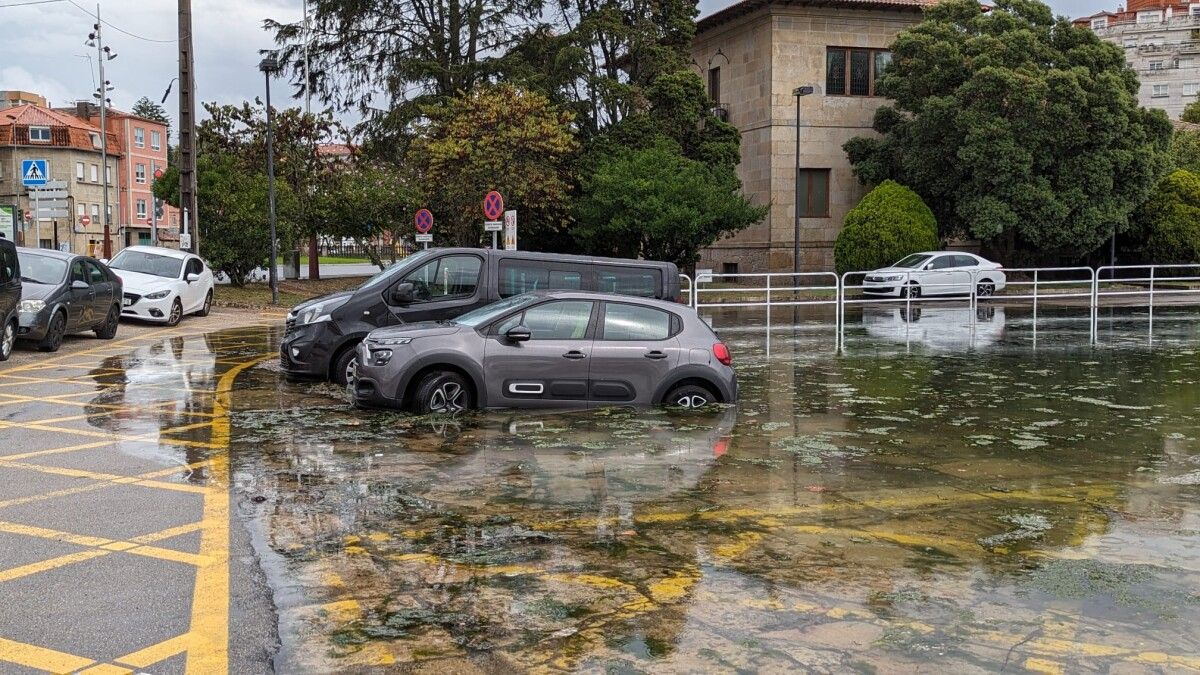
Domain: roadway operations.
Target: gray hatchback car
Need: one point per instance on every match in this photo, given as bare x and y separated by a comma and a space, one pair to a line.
547, 349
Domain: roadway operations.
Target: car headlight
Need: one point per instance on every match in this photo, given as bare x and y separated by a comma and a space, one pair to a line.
391, 342
893, 277
31, 306
157, 295
314, 314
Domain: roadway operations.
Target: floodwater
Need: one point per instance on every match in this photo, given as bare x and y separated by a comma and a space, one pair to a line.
951, 493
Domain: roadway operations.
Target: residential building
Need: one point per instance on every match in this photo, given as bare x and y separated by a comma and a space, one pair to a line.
11, 99
1161, 40
753, 55
72, 148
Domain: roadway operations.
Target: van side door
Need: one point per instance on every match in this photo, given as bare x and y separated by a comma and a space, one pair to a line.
10, 281
442, 288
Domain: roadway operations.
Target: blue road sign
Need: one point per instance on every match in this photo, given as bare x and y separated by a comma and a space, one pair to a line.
34, 172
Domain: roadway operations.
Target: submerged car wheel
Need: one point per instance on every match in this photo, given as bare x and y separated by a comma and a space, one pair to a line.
441, 392
985, 289
7, 340
343, 368
176, 313
108, 329
912, 290
689, 396
54, 334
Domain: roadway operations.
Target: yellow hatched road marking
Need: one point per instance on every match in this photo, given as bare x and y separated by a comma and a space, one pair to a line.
40, 657
144, 658
52, 563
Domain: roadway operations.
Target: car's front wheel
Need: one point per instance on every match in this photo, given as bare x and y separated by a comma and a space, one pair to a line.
108, 329
176, 313
985, 289
343, 367
54, 334
8, 340
441, 391
912, 290
689, 396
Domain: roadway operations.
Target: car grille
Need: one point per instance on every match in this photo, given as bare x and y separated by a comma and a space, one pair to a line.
283, 357
290, 324
131, 299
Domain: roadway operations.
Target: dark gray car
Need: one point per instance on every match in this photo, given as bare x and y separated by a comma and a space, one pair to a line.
65, 293
547, 349
10, 296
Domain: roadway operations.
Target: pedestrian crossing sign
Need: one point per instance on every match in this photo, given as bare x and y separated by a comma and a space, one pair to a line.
34, 172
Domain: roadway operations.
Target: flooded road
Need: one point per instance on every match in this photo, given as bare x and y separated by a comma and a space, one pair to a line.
949, 497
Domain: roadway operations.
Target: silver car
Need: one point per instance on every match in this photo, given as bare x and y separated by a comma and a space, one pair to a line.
547, 349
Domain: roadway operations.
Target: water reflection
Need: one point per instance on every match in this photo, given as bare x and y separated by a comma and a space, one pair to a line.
878, 510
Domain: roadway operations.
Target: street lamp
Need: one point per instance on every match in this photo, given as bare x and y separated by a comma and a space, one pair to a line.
269, 66
798, 92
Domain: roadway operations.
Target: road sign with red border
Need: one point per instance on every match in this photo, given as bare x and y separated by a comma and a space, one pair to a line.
493, 205
29, 216
158, 173
85, 220
423, 220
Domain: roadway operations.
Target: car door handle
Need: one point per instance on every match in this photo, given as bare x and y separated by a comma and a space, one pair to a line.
655, 355
574, 354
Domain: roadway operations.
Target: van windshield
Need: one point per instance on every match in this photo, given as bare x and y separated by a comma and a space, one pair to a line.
385, 275
478, 317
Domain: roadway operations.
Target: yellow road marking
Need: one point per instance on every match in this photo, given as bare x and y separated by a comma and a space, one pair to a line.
105, 669
40, 657
52, 563
144, 658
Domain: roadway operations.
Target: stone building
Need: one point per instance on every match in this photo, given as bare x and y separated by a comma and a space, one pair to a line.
72, 148
1161, 40
753, 55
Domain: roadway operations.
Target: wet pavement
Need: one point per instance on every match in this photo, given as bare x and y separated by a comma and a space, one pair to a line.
956, 491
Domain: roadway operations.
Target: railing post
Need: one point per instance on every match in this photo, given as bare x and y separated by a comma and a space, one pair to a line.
1152, 304
1035, 299
768, 305
1095, 303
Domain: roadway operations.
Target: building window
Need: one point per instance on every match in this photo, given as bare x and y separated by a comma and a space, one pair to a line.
854, 72
1184, 62
714, 85
155, 140
141, 209
1149, 16
1100, 22
108, 175
1160, 91
729, 268
1155, 41
139, 173
1190, 88
139, 137
39, 134
1130, 42
95, 213
95, 173
1194, 9
812, 193
1156, 65
80, 210
79, 171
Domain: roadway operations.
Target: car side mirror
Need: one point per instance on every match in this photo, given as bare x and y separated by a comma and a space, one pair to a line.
402, 294
78, 285
192, 277
104, 260
929, 266
518, 334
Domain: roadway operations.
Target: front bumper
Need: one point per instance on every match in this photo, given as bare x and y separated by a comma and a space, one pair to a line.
32, 325
135, 306
303, 352
373, 386
890, 288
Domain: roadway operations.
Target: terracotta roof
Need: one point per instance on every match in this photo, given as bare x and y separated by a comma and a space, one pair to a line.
744, 7
37, 116
335, 149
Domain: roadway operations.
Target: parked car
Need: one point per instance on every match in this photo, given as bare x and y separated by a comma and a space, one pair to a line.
10, 296
65, 293
438, 284
547, 349
163, 284
936, 273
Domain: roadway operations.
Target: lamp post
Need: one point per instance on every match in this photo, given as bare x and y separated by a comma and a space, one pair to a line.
798, 92
103, 54
269, 66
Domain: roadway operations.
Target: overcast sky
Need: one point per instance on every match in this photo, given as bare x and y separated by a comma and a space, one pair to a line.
43, 51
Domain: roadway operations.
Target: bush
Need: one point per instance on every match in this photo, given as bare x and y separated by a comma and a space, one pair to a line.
1191, 113
1171, 220
888, 224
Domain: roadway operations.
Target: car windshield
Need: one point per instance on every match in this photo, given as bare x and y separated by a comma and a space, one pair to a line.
40, 269
912, 261
386, 274
147, 263
478, 317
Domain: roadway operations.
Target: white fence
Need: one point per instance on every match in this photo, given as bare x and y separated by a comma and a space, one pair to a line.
1084, 287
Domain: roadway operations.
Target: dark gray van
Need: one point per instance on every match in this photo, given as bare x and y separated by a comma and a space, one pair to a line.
441, 283
10, 296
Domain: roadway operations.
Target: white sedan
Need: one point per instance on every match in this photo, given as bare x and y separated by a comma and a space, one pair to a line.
936, 273
163, 284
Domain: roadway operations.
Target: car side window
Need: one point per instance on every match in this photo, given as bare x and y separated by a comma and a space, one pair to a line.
77, 273
566, 280
517, 277
635, 322
193, 267
447, 277
942, 262
95, 274
556, 320
965, 261
8, 265
638, 281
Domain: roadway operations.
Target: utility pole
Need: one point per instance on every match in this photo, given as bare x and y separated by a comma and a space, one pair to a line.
187, 125
314, 249
103, 54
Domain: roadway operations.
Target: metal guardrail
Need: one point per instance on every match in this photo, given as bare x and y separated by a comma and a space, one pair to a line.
1035, 284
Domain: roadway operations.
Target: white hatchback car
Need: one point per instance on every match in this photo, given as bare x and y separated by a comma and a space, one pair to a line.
163, 284
936, 273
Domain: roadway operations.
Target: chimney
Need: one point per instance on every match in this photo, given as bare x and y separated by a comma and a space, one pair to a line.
82, 109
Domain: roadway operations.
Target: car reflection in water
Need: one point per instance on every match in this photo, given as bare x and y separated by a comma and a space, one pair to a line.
937, 327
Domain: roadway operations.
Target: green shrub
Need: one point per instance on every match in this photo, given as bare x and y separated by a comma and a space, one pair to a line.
1171, 220
888, 224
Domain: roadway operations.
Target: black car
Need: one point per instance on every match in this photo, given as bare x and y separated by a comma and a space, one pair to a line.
10, 296
439, 284
65, 293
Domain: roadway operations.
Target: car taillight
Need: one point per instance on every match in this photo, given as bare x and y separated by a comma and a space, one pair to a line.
722, 353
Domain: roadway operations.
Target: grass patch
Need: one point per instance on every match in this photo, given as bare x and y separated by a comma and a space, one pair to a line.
291, 292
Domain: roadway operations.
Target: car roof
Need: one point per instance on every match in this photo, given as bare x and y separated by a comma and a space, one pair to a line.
158, 250
565, 257
48, 252
605, 297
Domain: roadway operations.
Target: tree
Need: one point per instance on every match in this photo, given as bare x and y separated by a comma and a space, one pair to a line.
888, 224
496, 138
368, 202
1170, 220
657, 204
1018, 128
1191, 113
152, 111
1185, 150
234, 228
